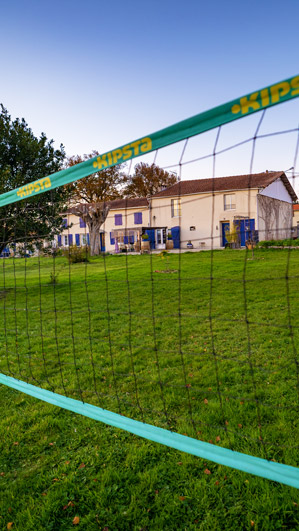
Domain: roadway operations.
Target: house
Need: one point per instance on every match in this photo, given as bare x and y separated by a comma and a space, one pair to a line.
296, 221
122, 227
125, 221
198, 213
257, 206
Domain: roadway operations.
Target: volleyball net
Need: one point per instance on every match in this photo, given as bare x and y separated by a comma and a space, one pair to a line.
184, 329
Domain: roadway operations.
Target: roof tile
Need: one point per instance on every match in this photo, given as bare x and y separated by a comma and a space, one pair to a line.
218, 184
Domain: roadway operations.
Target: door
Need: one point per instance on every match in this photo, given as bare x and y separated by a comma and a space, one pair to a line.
224, 229
160, 239
151, 235
175, 232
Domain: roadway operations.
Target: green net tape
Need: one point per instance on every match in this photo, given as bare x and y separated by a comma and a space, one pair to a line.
234, 110
253, 465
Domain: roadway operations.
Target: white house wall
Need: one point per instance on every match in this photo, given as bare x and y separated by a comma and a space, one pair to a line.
128, 223
277, 190
196, 211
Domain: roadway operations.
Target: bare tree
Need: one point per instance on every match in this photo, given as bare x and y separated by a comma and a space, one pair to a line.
91, 196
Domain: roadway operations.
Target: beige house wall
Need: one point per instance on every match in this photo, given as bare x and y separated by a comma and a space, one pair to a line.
109, 226
197, 211
195, 221
296, 224
128, 223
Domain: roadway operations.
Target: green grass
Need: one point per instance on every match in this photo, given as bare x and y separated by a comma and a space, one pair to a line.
220, 368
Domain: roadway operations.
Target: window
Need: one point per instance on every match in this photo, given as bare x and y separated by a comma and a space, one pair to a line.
64, 222
82, 224
83, 239
138, 218
66, 240
175, 208
118, 219
229, 201
124, 236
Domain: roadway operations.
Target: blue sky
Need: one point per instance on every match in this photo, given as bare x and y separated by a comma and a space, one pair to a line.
95, 75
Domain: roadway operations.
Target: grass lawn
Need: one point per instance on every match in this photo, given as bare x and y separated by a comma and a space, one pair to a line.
208, 350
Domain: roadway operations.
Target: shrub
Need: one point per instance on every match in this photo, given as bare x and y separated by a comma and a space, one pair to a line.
54, 277
279, 243
76, 254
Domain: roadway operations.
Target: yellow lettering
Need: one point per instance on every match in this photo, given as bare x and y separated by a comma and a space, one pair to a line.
31, 188
117, 155
47, 182
37, 187
100, 163
127, 152
21, 192
146, 144
109, 158
279, 90
41, 184
135, 146
27, 190
295, 85
251, 103
265, 97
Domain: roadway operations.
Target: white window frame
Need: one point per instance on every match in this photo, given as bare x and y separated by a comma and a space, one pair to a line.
229, 201
175, 208
83, 239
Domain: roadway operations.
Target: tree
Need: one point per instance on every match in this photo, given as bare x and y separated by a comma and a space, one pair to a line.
25, 158
91, 197
148, 180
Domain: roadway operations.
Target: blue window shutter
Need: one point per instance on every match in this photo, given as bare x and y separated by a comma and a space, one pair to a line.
138, 218
70, 239
126, 239
59, 241
77, 236
151, 235
87, 236
118, 219
64, 222
175, 233
131, 238
112, 240
82, 224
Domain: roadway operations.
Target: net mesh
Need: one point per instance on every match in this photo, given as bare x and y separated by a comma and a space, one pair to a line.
198, 333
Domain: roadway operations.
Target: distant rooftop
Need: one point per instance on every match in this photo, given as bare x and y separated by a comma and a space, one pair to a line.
235, 182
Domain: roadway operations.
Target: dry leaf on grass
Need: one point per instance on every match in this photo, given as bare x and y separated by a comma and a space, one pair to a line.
76, 520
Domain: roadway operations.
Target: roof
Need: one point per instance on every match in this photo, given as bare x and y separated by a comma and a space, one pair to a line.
117, 204
235, 182
132, 202
296, 208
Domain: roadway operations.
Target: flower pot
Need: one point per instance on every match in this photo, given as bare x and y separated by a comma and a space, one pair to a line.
137, 246
169, 244
145, 245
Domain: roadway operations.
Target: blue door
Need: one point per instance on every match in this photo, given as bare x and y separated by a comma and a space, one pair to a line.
151, 235
224, 228
175, 233
246, 230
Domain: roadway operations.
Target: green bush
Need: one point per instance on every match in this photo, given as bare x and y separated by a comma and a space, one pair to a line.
289, 242
76, 254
